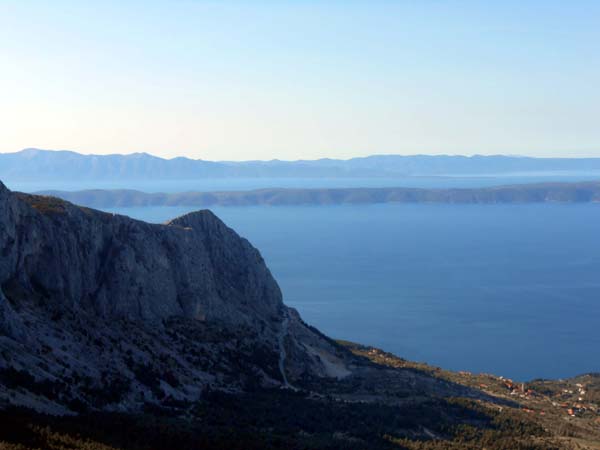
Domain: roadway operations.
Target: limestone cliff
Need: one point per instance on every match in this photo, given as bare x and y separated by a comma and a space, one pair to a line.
102, 311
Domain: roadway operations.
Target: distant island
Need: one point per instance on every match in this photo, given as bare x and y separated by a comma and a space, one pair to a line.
47, 165
584, 192
120, 334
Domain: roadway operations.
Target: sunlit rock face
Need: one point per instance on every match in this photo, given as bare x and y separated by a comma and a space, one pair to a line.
194, 266
101, 311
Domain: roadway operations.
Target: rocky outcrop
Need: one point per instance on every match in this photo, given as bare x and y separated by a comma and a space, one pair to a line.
193, 266
101, 311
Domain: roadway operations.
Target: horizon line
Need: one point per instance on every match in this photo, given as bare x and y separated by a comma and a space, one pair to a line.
407, 155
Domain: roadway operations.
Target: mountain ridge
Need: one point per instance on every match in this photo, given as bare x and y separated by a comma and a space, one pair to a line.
102, 312
75, 281
36, 164
583, 192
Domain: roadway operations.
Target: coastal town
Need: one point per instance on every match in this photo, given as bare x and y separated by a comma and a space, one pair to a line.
568, 408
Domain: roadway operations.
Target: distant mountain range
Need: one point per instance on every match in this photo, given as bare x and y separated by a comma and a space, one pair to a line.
584, 192
41, 165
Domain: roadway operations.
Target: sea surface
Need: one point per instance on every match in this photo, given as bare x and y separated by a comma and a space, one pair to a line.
243, 184
507, 289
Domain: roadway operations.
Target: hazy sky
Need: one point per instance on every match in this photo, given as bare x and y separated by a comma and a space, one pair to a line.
301, 79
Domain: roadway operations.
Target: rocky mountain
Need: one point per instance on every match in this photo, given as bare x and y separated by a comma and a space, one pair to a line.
93, 302
118, 334
528, 193
47, 165
100, 311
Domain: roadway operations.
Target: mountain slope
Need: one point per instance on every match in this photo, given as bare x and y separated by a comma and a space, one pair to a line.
100, 311
90, 300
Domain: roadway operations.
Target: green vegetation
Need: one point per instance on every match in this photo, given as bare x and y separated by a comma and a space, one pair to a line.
279, 419
44, 204
284, 419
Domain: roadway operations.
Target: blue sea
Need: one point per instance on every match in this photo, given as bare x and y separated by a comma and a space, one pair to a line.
242, 184
507, 289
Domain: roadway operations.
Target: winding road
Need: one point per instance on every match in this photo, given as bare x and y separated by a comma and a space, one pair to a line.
282, 354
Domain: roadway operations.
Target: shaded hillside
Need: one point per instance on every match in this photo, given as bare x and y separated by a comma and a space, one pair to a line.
526, 417
103, 311
527, 193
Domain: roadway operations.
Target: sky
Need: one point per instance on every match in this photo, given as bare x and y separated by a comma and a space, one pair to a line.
239, 80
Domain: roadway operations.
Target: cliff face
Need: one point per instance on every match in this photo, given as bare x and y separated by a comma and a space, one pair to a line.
193, 266
92, 303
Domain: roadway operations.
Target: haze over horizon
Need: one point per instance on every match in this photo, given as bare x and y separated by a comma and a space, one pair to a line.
301, 80
275, 158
